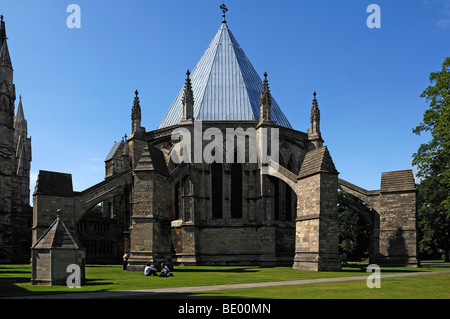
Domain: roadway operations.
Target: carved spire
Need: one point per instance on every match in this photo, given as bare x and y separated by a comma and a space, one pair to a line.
314, 134
20, 123
22, 145
265, 101
136, 113
315, 112
2, 31
6, 69
188, 99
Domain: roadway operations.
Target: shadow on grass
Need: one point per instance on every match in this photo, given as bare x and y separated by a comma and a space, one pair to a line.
232, 270
14, 272
428, 266
8, 286
97, 282
103, 266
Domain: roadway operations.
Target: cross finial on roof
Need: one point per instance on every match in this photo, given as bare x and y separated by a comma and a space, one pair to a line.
188, 73
224, 9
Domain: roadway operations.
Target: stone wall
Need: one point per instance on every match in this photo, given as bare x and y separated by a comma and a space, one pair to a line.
317, 230
151, 214
394, 208
49, 266
398, 242
44, 208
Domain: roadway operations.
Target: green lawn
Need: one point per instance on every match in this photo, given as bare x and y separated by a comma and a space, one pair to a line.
15, 281
423, 287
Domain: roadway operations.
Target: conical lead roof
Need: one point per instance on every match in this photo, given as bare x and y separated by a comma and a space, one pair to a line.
226, 86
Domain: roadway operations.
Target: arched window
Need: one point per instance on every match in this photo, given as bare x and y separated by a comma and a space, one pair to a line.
176, 200
288, 199
289, 194
183, 199
216, 190
236, 188
276, 197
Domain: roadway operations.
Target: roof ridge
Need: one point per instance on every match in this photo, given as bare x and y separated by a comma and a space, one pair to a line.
45, 234
317, 160
241, 71
226, 86
200, 101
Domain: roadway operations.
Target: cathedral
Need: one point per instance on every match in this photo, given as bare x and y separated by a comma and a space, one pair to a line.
15, 161
161, 203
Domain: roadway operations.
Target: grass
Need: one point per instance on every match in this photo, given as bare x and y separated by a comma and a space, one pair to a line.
424, 287
15, 281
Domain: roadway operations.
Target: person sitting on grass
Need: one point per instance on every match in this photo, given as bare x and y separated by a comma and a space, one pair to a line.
149, 270
165, 271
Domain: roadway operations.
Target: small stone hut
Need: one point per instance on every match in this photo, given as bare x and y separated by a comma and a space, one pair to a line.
57, 248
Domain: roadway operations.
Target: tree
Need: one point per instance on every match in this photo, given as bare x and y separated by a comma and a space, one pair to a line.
353, 229
433, 219
433, 164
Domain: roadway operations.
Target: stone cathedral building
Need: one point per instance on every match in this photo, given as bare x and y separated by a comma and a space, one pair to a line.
231, 211
15, 160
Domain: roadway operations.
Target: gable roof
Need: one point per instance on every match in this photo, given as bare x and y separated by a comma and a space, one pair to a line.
318, 160
226, 86
113, 150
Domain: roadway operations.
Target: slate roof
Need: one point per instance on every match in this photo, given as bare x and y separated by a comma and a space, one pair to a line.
113, 150
397, 181
226, 86
58, 236
53, 183
318, 160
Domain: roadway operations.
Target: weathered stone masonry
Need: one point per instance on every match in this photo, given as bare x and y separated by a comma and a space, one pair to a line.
233, 213
15, 161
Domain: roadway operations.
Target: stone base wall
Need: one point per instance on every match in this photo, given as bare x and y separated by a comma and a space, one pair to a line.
398, 241
49, 266
150, 243
233, 245
317, 230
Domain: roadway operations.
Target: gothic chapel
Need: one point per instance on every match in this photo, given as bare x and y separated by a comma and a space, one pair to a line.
233, 211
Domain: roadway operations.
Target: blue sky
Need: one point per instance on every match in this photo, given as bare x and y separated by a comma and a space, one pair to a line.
77, 85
